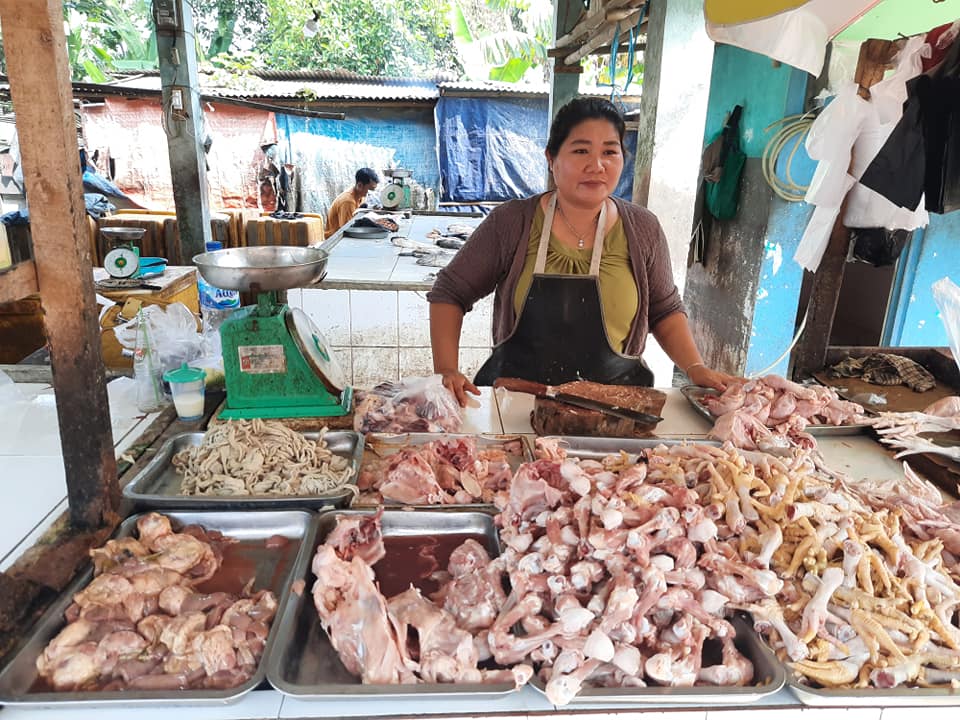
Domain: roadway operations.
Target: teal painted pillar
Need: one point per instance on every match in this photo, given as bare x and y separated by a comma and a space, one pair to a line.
743, 299
183, 123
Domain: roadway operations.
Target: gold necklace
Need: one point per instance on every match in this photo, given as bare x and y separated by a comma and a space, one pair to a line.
581, 241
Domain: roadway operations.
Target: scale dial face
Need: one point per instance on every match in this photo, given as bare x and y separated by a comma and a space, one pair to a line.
121, 262
392, 195
316, 350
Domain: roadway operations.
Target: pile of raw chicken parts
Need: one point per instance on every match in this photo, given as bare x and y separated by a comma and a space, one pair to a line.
626, 571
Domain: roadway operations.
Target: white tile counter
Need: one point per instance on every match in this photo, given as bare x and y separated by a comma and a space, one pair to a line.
32, 461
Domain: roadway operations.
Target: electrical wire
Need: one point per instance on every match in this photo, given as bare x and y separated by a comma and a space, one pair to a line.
794, 128
771, 366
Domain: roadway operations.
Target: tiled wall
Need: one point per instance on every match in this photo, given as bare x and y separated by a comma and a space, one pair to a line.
382, 335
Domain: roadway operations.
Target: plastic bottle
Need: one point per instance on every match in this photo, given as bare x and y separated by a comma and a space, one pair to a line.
215, 303
146, 369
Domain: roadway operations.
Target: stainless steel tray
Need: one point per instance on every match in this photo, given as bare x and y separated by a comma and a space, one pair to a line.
381, 445
306, 666
597, 448
158, 484
769, 677
695, 394
272, 567
870, 697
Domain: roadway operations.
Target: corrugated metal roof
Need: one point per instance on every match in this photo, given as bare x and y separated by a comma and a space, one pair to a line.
312, 89
307, 87
319, 86
497, 88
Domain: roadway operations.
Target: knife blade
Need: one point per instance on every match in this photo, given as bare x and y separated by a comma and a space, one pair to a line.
625, 413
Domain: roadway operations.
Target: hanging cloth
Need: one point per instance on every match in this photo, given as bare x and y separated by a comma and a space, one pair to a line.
723, 180
921, 158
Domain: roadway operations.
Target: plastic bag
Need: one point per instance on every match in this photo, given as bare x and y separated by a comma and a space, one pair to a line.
173, 331
420, 404
947, 296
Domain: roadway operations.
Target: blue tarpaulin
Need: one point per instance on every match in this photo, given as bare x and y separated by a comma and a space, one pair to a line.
329, 152
492, 149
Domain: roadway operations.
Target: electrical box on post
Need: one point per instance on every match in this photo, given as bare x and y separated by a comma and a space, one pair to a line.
166, 15
178, 102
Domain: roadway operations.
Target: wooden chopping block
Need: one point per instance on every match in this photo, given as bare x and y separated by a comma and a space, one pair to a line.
554, 417
551, 417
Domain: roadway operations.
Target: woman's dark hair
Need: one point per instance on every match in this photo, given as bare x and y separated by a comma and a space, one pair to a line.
575, 112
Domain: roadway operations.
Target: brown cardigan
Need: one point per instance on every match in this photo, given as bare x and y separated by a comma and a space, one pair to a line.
493, 259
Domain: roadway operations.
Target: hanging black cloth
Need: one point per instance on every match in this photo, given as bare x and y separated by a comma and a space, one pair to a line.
922, 155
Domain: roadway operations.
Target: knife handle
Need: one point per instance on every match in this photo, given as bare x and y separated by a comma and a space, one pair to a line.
520, 385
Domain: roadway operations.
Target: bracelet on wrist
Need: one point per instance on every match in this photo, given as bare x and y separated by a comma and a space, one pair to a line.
691, 366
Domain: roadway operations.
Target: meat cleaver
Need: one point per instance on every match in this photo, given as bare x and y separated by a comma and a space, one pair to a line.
549, 391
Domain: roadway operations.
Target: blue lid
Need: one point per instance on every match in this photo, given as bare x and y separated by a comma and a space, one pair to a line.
214, 245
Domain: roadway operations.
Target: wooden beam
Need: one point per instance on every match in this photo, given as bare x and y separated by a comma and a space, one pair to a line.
811, 350
39, 73
18, 282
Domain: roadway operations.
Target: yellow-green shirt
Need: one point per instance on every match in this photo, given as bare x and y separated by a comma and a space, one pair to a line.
618, 290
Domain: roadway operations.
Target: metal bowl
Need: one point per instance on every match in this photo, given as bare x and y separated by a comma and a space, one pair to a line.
365, 233
273, 267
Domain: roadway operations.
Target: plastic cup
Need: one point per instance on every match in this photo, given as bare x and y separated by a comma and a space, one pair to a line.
187, 388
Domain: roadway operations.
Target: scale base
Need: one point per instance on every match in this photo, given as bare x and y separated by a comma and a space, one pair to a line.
290, 411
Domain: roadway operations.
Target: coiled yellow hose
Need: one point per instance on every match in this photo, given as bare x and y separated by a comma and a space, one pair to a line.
794, 128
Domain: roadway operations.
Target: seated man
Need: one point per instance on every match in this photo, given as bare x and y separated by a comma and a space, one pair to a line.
347, 202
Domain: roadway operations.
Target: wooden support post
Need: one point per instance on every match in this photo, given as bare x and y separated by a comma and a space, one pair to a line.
811, 350
39, 72
183, 122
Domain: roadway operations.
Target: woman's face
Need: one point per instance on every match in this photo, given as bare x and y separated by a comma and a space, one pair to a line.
588, 165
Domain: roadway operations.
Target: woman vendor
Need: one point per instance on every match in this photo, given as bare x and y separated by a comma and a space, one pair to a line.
580, 276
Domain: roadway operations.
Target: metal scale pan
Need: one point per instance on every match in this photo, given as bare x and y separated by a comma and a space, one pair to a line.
262, 269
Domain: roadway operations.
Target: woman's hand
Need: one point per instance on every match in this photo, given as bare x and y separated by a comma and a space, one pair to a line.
457, 383
706, 377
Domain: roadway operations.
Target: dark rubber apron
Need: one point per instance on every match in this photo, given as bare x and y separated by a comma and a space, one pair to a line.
560, 335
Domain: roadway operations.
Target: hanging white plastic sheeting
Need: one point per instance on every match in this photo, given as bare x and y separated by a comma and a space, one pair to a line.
844, 139
795, 32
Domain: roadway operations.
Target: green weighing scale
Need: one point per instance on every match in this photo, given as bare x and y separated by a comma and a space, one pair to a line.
276, 362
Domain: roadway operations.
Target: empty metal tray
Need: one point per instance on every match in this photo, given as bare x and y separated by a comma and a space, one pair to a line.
158, 484
272, 568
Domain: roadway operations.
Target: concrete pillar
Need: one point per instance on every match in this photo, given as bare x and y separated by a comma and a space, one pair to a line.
184, 125
564, 80
673, 110
743, 298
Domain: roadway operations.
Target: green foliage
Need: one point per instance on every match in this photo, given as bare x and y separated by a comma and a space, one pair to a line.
222, 25
507, 55
108, 35
372, 37
234, 71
